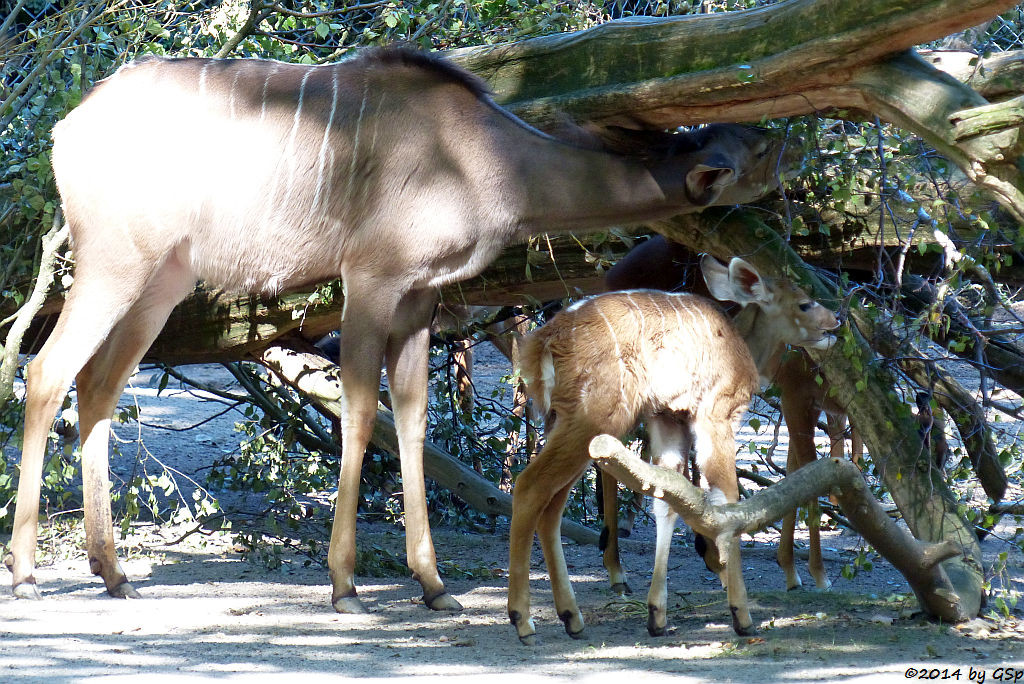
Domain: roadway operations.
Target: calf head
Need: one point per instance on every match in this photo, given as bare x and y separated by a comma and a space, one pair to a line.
790, 315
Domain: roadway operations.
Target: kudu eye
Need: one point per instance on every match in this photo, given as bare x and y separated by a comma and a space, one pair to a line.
806, 306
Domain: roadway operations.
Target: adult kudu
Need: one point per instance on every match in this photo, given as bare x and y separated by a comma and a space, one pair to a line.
394, 171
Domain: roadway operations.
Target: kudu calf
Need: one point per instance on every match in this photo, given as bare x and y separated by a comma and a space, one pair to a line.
661, 264
677, 363
394, 170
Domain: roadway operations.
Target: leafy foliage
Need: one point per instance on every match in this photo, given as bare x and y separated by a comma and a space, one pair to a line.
855, 175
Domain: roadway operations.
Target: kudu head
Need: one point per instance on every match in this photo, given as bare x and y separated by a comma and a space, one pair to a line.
722, 164
792, 316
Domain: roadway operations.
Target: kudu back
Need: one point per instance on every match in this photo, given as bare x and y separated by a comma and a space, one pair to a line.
673, 361
393, 170
662, 264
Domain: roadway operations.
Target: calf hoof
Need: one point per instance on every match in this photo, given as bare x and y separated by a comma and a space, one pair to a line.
443, 601
748, 630
573, 622
622, 589
350, 605
27, 590
525, 630
656, 627
124, 590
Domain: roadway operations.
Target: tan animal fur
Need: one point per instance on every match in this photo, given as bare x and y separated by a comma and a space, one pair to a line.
665, 265
679, 364
394, 170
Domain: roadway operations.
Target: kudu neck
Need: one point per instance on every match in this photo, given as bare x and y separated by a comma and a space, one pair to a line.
571, 188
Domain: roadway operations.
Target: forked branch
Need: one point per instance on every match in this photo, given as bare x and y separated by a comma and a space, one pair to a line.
919, 562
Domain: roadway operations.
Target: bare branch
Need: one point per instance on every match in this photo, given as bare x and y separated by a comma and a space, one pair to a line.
51, 243
917, 561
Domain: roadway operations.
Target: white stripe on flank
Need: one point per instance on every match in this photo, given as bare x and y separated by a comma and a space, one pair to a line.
672, 301
638, 312
356, 142
266, 85
234, 88
202, 79
618, 354
290, 146
320, 191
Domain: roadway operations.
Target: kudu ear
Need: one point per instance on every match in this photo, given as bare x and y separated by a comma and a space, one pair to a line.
739, 282
707, 179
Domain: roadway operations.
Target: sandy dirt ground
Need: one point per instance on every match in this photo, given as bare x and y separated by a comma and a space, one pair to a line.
209, 614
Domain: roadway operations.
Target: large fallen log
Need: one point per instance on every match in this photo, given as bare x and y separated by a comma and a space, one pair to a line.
918, 562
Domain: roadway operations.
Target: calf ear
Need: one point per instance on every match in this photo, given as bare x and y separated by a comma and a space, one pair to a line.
739, 282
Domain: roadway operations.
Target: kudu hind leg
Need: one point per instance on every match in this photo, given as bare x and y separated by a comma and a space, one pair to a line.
94, 305
407, 358
99, 385
549, 529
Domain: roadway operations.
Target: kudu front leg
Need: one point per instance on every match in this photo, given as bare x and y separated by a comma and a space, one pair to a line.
407, 357
364, 332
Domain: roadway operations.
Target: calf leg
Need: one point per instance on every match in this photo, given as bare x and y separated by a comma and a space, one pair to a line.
801, 416
549, 531
550, 475
609, 542
716, 457
670, 447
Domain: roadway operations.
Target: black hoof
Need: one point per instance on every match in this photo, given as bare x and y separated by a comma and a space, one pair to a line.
749, 630
529, 640
567, 618
653, 628
443, 602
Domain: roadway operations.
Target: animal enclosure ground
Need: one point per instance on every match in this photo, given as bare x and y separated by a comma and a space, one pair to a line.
209, 614
206, 613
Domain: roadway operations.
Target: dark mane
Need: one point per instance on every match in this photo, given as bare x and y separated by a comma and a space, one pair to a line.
427, 61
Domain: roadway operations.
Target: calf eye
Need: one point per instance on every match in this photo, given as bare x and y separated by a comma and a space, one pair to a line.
806, 306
